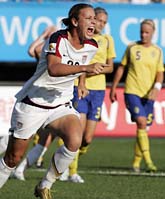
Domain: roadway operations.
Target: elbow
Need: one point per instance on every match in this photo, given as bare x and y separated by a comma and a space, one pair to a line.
31, 53
110, 69
51, 73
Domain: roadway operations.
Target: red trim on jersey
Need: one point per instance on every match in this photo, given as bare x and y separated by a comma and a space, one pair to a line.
57, 53
91, 42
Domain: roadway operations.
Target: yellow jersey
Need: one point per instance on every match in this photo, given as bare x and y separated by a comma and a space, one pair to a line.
106, 50
143, 63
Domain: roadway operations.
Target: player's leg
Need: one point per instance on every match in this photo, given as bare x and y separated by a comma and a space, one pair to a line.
34, 154
28, 161
141, 112
138, 156
71, 173
87, 139
44, 140
88, 136
25, 121
15, 151
16, 145
142, 133
81, 105
90, 111
40, 138
96, 98
65, 175
143, 141
149, 110
36, 138
71, 133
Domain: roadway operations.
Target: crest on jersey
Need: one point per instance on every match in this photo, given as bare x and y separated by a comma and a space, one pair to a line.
84, 58
153, 54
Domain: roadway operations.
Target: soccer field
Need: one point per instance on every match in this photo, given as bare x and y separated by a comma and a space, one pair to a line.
106, 169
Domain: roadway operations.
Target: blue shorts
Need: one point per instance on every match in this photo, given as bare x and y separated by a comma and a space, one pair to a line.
90, 105
139, 107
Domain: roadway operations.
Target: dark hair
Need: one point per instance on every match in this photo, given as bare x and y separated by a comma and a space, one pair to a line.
74, 13
100, 10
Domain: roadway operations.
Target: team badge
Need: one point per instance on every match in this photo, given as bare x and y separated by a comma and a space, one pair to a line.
19, 125
152, 54
75, 104
136, 110
84, 58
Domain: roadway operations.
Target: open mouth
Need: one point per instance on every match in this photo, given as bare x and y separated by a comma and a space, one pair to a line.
90, 31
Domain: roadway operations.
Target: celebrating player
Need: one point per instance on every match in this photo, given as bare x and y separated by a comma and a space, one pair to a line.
44, 100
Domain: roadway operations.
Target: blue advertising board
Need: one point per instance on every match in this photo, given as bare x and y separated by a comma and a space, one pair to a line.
21, 23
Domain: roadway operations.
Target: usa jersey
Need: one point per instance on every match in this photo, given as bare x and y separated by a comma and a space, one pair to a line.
46, 90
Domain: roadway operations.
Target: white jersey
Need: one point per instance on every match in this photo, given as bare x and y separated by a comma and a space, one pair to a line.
46, 90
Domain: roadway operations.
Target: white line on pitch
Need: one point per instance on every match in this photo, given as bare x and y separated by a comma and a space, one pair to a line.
113, 172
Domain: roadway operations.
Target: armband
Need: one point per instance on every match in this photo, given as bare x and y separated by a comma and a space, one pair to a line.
158, 85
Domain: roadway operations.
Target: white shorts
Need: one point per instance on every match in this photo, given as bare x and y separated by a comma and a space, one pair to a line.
27, 119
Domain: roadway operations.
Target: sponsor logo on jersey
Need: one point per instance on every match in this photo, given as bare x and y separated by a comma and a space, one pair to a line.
52, 47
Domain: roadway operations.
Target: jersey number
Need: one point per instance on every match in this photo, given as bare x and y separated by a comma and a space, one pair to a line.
138, 55
149, 118
70, 62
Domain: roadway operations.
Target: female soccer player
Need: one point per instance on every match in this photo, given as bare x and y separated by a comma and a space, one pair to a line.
144, 61
44, 100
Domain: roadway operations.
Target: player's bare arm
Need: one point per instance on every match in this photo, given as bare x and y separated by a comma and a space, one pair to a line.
56, 68
117, 78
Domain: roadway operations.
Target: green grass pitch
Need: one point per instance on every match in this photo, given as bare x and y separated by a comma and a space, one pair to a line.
106, 169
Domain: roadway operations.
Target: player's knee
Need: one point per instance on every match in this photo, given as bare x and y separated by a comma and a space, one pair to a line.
141, 123
12, 159
74, 144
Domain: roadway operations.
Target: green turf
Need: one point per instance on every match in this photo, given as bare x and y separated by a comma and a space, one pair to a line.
105, 156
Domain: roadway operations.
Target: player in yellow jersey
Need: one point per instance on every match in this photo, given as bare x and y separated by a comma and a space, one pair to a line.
89, 107
144, 61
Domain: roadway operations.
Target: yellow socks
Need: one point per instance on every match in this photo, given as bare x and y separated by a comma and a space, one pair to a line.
138, 156
143, 142
60, 141
83, 150
73, 167
35, 139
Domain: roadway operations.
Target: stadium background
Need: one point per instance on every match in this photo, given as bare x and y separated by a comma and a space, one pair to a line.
21, 23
